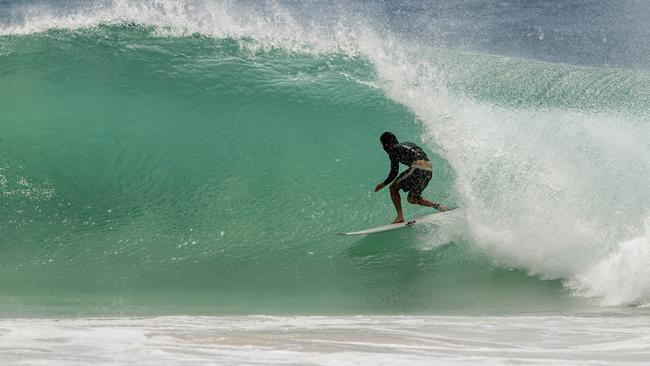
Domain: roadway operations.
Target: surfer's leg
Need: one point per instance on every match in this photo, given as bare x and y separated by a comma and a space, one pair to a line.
416, 184
424, 202
401, 182
397, 202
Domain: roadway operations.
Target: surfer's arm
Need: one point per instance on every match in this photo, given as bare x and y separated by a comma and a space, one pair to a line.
394, 169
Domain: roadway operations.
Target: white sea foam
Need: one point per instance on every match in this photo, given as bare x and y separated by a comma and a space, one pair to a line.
360, 340
622, 277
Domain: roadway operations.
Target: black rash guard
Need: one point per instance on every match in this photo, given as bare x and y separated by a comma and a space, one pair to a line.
405, 153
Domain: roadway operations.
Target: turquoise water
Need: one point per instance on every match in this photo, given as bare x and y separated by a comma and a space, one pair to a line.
147, 171
223, 173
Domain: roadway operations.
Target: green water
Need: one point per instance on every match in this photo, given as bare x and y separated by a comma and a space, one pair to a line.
148, 174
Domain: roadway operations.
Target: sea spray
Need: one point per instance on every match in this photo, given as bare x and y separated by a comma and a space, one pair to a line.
622, 277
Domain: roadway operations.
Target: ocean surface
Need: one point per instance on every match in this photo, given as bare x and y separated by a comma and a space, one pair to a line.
186, 164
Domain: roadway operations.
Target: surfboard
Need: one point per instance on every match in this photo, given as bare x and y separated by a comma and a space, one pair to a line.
410, 222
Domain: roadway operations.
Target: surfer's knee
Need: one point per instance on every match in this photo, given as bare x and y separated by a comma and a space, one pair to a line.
412, 199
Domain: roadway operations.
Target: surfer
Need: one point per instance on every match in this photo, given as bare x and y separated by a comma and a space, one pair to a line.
413, 180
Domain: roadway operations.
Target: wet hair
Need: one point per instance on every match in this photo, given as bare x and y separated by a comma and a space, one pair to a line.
388, 139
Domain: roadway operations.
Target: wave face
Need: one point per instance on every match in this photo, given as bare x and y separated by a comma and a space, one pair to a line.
157, 157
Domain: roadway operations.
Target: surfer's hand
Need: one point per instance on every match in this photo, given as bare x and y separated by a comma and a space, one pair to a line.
379, 187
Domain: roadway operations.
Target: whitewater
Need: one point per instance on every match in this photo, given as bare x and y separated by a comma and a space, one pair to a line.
172, 175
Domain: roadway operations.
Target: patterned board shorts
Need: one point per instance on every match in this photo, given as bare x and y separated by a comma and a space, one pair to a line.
413, 180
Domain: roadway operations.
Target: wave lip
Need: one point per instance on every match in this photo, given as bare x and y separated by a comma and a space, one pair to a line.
266, 21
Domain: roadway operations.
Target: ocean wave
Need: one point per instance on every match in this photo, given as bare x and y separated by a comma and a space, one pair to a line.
548, 169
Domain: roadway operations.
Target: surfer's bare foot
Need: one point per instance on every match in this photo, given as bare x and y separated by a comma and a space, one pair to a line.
398, 220
440, 207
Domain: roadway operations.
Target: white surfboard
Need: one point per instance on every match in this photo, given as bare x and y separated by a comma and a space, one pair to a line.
410, 222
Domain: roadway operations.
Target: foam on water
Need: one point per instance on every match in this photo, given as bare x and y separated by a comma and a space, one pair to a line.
622, 277
327, 340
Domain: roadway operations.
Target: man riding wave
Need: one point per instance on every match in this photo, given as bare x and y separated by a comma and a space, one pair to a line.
413, 180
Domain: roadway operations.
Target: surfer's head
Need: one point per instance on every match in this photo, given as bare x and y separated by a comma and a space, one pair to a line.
388, 140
